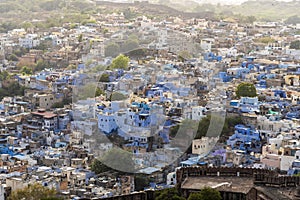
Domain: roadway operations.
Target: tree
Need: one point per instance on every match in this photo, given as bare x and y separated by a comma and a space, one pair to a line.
41, 65
80, 38
120, 62
206, 193
71, 67
33, 192
13, 57
45, 44
52, 198
27, 25
184, 55
4, 75
117, 96
130, 45
26, 70
99, 92
140, 182
295, 44
195, 196
228, 126
246, 90
112, 50
293, 20
104, 78
98, 167
84, 92
57, 105
170, 194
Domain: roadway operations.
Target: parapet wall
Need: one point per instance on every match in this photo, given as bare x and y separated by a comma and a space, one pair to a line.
259, 176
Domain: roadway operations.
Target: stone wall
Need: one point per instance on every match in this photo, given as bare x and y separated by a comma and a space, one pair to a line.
260, 176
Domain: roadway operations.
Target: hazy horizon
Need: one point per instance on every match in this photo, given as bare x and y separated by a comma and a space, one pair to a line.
225, 2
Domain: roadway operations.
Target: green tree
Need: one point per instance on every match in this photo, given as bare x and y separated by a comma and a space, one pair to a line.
86, 91
20, 51
120, 62
58, 105
26, 70
295, 44
44, 44
130, 45
295, 19
71, 67
99, 92
27, 25
228, 126
98, 167
41, 65
246, 90
52, 198
206, 193
13, 57
4, 75
104, 78
140, 182
117, 96
129, 14
195, 196
80, 37
33, 192
112, 50
170, 194
105, 31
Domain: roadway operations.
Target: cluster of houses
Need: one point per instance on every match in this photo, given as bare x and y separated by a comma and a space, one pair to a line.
187, 70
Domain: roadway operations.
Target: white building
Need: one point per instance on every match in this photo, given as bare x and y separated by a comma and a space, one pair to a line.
204, 145
171, 178
206, 44
198, 112
29, 41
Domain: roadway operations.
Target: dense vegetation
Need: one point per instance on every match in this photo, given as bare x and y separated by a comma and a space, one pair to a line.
206, 194
202, 127
246, 90
33, 192
268, 10
9, 87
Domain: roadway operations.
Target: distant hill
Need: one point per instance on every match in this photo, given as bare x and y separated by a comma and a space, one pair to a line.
55, 12
261, 9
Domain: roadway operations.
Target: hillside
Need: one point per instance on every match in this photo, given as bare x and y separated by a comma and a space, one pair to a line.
49, 13
262, 9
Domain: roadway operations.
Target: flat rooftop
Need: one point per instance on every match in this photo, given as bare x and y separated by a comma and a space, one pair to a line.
230, 184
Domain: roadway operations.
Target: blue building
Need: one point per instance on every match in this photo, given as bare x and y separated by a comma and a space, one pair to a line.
212, 57
106, 122
245, 138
